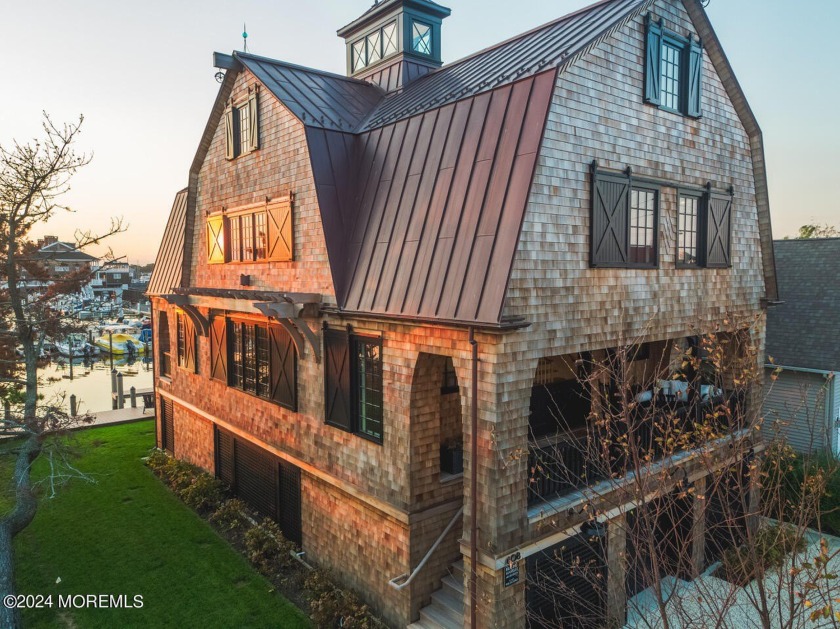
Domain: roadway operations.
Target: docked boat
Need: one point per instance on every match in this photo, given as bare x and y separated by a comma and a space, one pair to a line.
119, 343
76, 345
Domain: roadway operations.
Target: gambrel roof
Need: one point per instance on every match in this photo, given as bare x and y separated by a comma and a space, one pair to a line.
422, 191
804, 331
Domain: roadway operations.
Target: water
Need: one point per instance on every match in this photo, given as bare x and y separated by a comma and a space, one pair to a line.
91, 381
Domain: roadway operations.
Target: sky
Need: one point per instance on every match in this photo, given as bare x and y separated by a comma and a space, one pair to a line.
142, 75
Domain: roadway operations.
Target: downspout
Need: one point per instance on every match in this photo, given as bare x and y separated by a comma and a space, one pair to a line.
473, 477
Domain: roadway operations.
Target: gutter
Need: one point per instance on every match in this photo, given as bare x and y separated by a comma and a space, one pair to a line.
473, 478
827, 373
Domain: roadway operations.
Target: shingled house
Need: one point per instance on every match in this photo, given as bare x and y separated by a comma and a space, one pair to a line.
361, 267
803, 340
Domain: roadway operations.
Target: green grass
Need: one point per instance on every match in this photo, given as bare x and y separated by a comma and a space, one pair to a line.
127, 534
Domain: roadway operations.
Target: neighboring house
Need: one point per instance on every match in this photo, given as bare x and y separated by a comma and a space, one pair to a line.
63, 258
345, 244
111, 279
803, 339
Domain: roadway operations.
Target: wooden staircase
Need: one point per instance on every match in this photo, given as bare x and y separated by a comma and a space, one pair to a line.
446, 611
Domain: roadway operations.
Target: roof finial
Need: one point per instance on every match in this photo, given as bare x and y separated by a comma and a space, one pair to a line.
244, 38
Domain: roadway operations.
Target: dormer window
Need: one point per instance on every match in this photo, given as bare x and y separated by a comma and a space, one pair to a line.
242, 126
375, 46
421, 38
673, 70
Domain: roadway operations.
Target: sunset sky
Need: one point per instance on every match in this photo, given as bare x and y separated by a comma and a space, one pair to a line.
142, 75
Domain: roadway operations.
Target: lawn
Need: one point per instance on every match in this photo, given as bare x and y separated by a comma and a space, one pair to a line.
127, 534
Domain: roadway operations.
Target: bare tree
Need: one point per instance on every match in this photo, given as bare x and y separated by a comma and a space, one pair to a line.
661, 448
33, 178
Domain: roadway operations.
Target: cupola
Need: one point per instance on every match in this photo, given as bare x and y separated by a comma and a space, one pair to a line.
394, 42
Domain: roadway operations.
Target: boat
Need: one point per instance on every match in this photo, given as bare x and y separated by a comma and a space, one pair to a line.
75, 345
120, 343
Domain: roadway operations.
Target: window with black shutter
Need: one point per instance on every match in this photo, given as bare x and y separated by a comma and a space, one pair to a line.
624, 223
242, 125
353, 388
673, 70
704, 229
261, 360
167, 426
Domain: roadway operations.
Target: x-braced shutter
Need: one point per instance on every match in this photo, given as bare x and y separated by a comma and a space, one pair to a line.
694, 79
190, 345
719, 230
283, 367
218, 349
215, 238
280, 245
254, 121
653, 59
610, 203
337, 378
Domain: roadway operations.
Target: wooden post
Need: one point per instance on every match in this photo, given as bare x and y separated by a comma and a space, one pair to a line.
120, 398
111, 348
133, 393
73, 405
113, 388
70, 351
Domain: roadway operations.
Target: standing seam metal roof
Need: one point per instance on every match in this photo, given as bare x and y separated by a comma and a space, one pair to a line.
167, 271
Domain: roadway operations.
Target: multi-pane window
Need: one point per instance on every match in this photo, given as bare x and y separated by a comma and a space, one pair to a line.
186, 343
245, 128
262, 361
353, 399
642, 227
687, 231
673, 70
374, 47
367, 364
670, 76
421, 38
248, 235
163, 344
235, 240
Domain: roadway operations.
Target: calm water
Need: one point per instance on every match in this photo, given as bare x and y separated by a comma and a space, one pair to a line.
91, 382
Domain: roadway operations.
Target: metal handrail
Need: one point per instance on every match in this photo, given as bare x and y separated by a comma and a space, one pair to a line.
394, 583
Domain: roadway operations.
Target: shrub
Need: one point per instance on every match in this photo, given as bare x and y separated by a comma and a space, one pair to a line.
770, 547
231, 515
156, 460
267, 549
204, 492
331, 606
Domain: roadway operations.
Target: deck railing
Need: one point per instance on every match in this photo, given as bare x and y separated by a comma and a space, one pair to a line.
566, 462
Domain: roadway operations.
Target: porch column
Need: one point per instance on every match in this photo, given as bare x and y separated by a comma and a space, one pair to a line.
616, 570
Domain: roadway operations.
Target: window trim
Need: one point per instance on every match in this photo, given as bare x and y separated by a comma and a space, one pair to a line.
355, 387
364, 40
690, 97
700, 239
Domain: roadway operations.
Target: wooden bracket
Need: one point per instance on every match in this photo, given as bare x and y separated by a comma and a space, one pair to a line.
201, 323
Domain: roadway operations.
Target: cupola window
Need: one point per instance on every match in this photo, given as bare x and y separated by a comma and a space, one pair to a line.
421, 38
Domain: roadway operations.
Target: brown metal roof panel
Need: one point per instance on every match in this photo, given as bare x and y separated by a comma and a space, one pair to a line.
166, 274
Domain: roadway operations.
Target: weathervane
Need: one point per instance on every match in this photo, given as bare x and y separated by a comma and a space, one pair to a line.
244, 38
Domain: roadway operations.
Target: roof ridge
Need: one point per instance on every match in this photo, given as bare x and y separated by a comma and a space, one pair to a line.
280, 62
531, 31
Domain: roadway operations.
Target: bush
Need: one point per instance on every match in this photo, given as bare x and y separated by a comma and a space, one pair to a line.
770, 547
806, 480
157, 460
330, 606
267, 549
204, 492
231, 515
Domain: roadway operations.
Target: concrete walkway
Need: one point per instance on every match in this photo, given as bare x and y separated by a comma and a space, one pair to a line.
712, 602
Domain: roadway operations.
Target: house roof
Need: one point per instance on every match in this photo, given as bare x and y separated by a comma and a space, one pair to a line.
167, 271
63, 251
805, 330
421, 218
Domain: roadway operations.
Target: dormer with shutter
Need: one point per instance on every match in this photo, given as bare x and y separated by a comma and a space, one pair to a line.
394, 42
